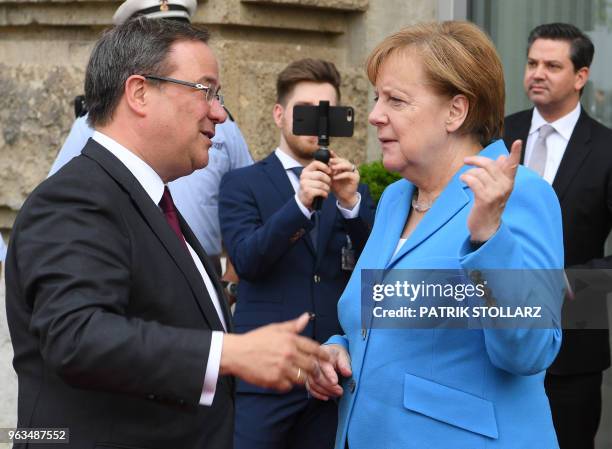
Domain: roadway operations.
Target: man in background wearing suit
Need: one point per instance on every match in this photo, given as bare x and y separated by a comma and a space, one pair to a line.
290, 258
573, 152
117, 318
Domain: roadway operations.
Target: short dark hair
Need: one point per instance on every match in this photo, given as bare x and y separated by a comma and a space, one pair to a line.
139, 46
581, 47
308, 69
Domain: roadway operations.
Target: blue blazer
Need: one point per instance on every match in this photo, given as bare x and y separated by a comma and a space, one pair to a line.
267, 239
454, 388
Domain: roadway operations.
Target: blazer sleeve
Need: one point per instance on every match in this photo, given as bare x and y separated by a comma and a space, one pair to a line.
254, 246
523, 265
74, 259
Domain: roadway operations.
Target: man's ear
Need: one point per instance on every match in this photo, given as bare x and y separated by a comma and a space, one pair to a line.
136, 94
457, 113
278, 112
582, 76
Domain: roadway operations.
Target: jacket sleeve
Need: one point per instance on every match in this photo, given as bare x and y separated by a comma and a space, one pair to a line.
522, 265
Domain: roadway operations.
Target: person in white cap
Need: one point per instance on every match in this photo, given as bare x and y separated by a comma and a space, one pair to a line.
155, 9
196, 195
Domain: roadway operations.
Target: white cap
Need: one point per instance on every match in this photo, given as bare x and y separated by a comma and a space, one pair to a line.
155, 9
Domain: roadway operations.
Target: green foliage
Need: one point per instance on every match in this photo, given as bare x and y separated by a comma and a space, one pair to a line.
377, 178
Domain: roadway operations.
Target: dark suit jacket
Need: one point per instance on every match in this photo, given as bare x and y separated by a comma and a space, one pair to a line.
109, 318
584, 186
267, 238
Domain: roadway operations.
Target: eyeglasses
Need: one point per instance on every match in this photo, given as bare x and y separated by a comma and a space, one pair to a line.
209, 93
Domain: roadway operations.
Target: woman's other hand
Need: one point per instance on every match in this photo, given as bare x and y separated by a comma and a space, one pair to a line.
323, 382
492, 182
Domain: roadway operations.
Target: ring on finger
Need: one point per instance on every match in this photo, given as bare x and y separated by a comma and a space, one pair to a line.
299, 375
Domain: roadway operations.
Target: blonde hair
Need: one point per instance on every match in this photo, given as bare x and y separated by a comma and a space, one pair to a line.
458, 58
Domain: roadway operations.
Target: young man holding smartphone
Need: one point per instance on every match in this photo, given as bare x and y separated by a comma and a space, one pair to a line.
291, 258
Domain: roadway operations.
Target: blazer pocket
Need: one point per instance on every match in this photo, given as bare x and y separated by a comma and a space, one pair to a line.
449, 405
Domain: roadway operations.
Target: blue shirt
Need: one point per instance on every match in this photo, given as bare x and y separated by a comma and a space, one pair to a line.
196, 196
2, 249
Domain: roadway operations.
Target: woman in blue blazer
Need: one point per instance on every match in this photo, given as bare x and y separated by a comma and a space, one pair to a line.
464, 204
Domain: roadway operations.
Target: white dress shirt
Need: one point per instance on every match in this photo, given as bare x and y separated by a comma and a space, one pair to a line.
400, 243
288, 163
556, 143
154, 186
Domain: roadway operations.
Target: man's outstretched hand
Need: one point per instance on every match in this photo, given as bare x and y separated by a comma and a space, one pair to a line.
272, 356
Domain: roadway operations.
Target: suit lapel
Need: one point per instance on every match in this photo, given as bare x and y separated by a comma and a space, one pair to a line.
158, 224
522, 132
278, 177
193, 241
182, 258
273, 168
395, 221
576, 152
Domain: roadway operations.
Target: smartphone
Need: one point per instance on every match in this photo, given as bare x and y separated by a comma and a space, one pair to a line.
306, 121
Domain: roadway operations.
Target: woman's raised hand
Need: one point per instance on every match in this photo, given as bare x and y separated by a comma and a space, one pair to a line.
492, 182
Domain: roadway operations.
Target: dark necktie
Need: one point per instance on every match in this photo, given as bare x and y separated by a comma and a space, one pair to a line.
169, 209
315, 216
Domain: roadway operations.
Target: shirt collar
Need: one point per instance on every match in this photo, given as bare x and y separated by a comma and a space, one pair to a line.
287, 161
144, 174
564, 126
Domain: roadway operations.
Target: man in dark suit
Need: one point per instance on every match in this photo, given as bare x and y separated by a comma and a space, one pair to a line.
290, 257
117, 319
574, 153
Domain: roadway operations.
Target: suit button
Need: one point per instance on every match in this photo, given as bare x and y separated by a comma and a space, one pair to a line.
181, 402
352, 385
317, 278
151, 397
